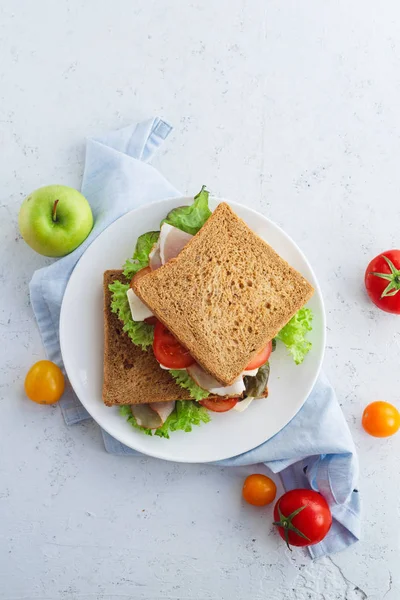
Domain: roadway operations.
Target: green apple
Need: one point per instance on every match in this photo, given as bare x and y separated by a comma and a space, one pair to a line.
55, 219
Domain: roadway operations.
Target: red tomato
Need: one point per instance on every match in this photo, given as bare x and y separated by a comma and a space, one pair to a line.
168, 351
151, 320
303, 517
260, 358
222, 405
382, 280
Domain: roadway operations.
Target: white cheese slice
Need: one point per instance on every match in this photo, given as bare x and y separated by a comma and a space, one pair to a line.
251, 373
236, 388
139, 310
243, 404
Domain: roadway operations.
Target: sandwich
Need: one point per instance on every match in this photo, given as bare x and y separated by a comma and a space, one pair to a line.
192, 319
149, 397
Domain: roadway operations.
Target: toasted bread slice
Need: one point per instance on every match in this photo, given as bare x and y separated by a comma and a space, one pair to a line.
226, 294
131, 375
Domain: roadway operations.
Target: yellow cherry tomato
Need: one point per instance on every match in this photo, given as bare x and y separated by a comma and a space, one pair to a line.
44, 382
259, 490
381, 419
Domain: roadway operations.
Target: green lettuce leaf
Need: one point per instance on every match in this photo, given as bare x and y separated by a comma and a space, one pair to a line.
293, 335
140, 257
256, 385
183, 379
140, 333
191, 218
186, 415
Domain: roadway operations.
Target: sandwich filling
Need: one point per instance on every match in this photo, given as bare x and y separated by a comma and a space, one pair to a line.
153, 250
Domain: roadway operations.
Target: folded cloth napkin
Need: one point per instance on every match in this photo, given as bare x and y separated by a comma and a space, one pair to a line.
314, 450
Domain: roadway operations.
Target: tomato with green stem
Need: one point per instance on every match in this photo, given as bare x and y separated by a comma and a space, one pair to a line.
382, 281
303, 517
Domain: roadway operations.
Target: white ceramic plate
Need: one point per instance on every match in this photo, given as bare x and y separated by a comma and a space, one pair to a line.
228, 434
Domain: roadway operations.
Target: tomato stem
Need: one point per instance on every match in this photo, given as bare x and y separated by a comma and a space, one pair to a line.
393, 278
287, 525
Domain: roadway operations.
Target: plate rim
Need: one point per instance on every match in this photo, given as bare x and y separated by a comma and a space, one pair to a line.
184, 201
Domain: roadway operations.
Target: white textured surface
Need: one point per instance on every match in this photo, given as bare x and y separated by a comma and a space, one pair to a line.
290, 107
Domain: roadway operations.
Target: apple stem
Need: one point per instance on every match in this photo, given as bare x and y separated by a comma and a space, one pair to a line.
55, 211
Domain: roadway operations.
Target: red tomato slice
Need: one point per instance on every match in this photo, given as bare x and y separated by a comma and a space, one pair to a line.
260, 358
151, 320
222, 405
168, 351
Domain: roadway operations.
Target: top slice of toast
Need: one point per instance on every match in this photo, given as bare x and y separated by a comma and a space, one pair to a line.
132, 375
226, 294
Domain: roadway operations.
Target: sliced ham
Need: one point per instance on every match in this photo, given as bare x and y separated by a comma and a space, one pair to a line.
145, 416
208, 383
172, 240
154, 257
163, 409
153, 415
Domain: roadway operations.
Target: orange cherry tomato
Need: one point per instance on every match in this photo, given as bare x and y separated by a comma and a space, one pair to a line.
381, 419
44, 382
259, 490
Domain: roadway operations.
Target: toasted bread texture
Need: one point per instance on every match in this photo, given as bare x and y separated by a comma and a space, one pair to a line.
131, 376
226, 294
